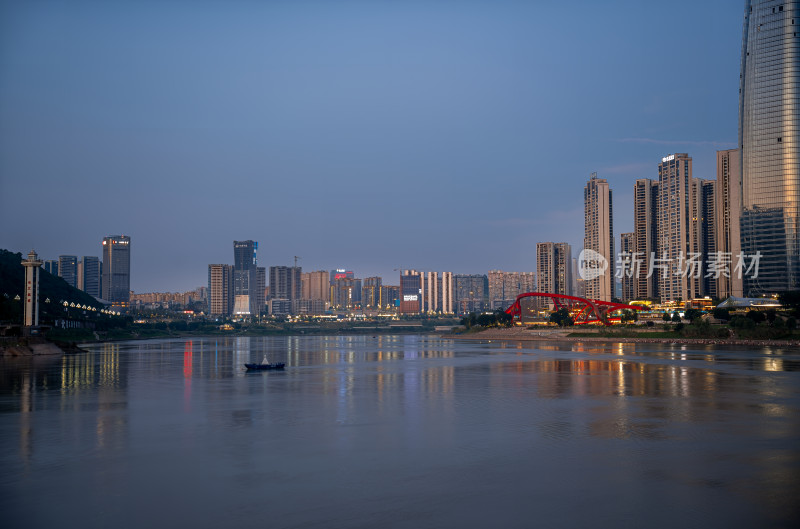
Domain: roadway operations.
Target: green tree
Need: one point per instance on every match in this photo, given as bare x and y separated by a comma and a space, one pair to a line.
676, 318
721, 314
692, 314
790, 301
756, 316
561, 318
740, 322
666, 317
503, 319
486, 320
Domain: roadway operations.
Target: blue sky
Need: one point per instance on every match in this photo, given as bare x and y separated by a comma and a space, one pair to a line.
367, 135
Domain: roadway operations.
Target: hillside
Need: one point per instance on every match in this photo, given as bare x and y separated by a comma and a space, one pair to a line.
12, 283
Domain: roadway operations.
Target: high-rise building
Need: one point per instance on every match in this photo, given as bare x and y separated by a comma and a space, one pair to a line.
645, 229
341, 273
117, 270
390, 297
220, 289
89, 275
504, 287
678, 232
599, 235
707, 232
245, 278
371, 293
68, 269
728, 211
769, 121
316, 285
261, 289
410, 292
437, 292
553, 269
285, 282
471, 293
51, 266
627, 248
346, 293
446, 299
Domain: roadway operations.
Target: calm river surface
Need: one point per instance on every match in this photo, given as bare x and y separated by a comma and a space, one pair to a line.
401, 431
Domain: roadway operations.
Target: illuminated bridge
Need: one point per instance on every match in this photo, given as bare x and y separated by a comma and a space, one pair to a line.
581, 310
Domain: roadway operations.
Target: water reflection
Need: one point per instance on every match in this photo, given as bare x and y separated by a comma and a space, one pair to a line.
411, 407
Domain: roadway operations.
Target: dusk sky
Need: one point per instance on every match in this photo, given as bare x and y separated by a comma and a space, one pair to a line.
371, 135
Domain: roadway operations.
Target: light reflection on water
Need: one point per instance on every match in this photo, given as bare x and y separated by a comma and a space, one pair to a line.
401, 430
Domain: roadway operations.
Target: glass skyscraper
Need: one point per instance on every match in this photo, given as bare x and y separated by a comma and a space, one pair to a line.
769, 124
117, 270
245, 278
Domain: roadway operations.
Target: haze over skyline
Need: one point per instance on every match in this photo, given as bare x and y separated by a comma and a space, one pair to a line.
365, 135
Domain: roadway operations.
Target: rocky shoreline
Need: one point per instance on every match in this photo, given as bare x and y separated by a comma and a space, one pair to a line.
517, 334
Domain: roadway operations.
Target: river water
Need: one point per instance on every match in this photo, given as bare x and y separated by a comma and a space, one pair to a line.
401, 431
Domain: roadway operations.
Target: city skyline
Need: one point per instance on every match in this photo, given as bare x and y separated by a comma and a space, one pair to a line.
390, 137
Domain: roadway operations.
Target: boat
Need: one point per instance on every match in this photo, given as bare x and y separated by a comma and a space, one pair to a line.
265, 365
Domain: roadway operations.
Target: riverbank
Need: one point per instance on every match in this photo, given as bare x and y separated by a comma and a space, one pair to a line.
521, 334
35, 346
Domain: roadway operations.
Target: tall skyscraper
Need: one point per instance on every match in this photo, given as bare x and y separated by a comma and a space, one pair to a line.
245, 278
261, 290
728, 211
769, 121
599, 235
707, 232
285, 282
677, 228
68, 269
645, 229
51, 265
89, 275
627, 248
553, 268
220, 289
117, 270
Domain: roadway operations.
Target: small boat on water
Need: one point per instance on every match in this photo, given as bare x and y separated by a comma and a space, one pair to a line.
265, 365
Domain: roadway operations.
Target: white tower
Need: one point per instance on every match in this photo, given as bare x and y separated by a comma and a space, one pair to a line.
32, 266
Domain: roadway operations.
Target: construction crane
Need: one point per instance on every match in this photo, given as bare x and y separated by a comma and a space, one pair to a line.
296, 257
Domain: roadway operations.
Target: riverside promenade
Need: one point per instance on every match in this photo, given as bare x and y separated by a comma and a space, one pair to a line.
562, 335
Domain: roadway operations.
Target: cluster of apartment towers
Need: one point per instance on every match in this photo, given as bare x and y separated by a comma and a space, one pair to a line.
241, 290
108, 279
676, 217
661, 227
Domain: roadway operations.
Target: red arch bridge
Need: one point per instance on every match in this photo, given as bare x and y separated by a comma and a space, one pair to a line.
582, 310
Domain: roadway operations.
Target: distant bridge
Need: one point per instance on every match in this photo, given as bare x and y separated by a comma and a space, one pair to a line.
583, 311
